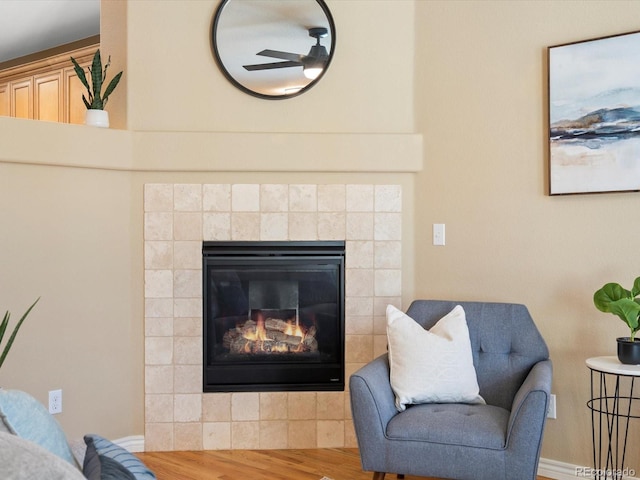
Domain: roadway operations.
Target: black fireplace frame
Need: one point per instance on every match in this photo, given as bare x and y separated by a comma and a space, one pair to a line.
286, 376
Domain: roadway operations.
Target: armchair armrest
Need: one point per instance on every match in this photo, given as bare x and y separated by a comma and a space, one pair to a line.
372, 406
529, 409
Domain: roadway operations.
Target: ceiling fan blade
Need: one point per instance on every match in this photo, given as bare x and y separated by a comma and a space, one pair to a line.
294, 57
269, 66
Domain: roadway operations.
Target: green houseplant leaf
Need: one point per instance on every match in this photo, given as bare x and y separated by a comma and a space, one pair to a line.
95, 98
3, 329
615, 299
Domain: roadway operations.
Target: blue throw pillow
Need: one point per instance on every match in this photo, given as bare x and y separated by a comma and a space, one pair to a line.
101, 467
27, 418
109, 450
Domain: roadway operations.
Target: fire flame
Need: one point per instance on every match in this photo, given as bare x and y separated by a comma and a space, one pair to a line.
294, 332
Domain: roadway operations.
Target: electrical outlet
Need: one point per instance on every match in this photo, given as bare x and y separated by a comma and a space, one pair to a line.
551, 411
55, 401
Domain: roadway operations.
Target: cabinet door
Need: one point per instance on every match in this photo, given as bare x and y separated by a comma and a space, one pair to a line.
48, 97
73, 90
4, 100
21, 99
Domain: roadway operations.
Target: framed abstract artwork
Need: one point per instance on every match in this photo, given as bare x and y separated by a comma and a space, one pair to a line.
594, 115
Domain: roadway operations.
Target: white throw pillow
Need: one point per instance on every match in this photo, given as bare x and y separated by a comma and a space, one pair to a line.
431, 366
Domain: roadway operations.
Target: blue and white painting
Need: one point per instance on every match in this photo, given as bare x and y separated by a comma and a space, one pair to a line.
594, 115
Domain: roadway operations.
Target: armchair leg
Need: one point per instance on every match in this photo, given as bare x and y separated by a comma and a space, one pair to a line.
378, 475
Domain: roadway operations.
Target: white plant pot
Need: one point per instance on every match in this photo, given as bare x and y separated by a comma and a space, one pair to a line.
97, 118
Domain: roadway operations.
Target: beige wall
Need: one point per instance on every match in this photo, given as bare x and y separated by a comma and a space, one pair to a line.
481, 105
469, 77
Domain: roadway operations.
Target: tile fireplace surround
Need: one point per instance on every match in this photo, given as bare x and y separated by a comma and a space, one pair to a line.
177, 218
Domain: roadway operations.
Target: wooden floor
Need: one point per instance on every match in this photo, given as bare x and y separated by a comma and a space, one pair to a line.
333, 463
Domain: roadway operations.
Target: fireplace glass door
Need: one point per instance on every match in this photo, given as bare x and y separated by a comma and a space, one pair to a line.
273, 316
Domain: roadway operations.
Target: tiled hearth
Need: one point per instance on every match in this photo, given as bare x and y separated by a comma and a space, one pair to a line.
178, 217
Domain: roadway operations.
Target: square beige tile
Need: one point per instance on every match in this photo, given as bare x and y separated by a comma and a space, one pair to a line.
302, 434
216, 226
187, 226
359, 254
245, 226
187, 254
274, 226
158, 197
158, 255
158, 327
187, 197
358, 348
187, 307
158, 437
388, 198
158, 408
301, 405
330, 405
158, 307
332, 226
245, 406
158, 283
158, 226
187, 379
303, 198
216, 407
216, 198
187, 283
388, 226
274, 198
273, 406
187, 351
388, 282
359, 226
360, 198
216, 435
274, 434
245, 435
187, 327
303, 226
331, 198
187, 407
158, 350
187, 436
158, 379
330, 433
245, 198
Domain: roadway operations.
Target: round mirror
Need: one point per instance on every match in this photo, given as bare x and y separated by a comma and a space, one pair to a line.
273, 49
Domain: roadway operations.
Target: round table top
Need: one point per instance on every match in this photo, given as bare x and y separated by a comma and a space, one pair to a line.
611, 364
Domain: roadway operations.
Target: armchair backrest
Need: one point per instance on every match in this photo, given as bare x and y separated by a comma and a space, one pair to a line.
505, 343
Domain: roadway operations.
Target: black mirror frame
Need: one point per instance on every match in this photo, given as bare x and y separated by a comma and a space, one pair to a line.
240, 86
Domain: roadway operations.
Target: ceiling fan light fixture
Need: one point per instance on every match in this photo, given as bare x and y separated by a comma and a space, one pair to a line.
312, 72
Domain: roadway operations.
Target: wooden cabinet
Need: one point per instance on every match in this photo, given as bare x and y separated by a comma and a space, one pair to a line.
47, 89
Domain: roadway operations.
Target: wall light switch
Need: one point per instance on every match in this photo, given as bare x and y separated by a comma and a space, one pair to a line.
438, 234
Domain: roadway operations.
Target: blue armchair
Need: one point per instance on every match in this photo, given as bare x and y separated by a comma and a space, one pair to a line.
497, 441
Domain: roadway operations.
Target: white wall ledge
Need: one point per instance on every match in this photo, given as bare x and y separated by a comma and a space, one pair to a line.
55, 144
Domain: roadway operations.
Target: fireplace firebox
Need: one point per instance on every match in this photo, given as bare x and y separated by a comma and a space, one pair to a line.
273, 316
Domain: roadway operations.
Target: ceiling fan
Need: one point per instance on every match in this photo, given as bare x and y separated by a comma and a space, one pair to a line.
312, 63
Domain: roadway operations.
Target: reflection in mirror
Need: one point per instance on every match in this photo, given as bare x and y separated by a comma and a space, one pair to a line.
273, 49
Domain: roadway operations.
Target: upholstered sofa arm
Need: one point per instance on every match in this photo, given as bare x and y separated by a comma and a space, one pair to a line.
530, 404
372, 405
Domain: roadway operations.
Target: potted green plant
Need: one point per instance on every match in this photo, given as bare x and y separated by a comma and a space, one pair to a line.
3, 329
96, 99
613, 298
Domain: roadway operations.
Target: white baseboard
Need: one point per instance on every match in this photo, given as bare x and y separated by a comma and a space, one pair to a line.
133, 443
567, 471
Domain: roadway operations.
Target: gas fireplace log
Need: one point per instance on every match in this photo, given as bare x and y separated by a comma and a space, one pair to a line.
276, 324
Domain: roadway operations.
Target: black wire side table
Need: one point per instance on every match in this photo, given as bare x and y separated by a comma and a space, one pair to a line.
612, 399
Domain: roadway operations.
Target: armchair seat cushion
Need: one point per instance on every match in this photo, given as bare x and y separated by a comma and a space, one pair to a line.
482, 426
